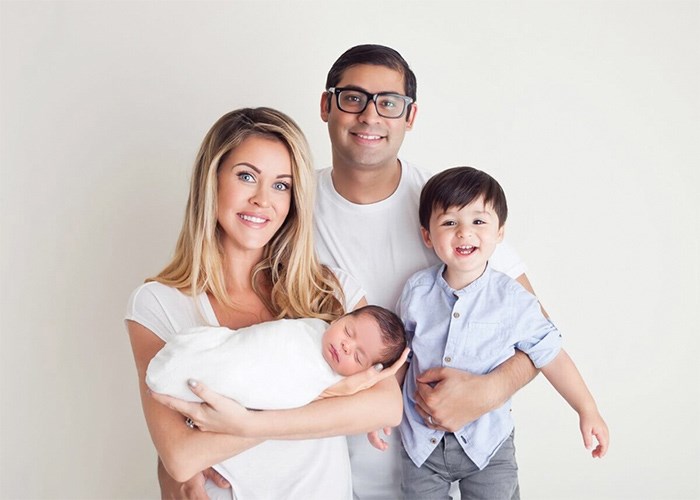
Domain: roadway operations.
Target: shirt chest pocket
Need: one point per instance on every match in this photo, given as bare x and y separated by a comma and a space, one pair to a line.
485, 340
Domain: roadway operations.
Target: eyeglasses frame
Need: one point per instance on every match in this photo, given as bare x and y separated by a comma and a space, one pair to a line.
371, 97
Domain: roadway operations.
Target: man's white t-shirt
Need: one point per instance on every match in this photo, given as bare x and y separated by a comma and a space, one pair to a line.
380, 245
313, 468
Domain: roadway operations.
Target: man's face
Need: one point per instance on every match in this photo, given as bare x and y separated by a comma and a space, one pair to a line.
366, 141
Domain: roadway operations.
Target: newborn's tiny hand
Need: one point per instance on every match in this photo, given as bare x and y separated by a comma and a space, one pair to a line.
378, 442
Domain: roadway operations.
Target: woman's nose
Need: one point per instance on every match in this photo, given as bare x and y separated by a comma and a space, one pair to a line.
260, 198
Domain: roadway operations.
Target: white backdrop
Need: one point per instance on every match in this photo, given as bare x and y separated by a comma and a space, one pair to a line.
586, 111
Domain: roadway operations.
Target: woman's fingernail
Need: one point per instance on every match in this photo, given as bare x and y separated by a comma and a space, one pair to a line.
378, 367
192, 383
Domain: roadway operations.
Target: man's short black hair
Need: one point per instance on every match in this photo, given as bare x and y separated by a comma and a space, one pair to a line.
378, 55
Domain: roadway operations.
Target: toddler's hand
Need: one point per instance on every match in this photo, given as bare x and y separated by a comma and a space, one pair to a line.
592, 425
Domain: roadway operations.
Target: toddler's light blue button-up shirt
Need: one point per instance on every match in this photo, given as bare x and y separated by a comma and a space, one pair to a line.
473, 329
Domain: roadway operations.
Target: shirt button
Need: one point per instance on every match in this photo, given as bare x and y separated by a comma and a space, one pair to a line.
456, 315
433, 441
448, 359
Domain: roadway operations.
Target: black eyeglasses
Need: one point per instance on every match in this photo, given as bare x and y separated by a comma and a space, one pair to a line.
387, 104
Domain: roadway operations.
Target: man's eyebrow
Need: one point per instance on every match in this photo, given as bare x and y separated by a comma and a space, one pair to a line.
357, 87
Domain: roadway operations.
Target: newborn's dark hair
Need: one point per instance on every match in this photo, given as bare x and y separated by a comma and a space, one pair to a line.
393, 332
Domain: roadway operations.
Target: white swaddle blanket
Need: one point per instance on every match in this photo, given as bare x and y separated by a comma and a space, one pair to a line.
273, 365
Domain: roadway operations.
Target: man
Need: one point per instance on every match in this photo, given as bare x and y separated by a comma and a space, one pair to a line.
367, 224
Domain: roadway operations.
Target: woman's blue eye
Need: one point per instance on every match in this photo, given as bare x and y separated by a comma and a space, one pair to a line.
246, 176
281, 186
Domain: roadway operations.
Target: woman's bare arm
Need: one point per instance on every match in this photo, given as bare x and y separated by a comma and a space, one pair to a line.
370, 409
185, 452
172, 438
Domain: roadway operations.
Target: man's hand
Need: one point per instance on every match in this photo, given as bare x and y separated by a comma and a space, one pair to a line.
453, 398
192, 489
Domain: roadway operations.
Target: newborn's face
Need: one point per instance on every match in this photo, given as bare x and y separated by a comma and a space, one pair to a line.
352, 344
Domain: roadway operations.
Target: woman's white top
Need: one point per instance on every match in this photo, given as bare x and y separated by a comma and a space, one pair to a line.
313, 468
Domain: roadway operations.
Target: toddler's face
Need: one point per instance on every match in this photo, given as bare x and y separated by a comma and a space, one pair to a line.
464, 239
352, 344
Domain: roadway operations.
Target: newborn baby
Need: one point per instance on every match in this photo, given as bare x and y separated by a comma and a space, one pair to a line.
278, 364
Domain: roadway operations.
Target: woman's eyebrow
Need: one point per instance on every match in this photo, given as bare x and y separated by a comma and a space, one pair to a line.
257, 170
249, 165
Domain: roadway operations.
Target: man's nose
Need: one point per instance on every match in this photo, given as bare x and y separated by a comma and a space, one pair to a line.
370, 114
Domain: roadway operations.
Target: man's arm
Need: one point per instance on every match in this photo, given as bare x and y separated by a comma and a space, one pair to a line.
453, 398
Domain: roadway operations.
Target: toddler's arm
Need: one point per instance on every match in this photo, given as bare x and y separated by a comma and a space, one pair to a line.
566, 379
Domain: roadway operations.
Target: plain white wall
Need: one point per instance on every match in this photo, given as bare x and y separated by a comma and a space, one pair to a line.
587, 112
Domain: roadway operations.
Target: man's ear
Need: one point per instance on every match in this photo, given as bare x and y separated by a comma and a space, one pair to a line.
411, 116
326, 98
426, 237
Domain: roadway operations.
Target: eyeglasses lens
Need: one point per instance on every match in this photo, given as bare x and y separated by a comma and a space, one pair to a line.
388, 106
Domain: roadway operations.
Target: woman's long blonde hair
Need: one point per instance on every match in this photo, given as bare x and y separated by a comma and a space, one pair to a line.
289, 279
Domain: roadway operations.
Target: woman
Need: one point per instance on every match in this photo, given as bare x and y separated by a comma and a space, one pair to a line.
244, 256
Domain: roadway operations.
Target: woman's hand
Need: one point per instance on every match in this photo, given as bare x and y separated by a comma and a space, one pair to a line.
365, 379
217, 413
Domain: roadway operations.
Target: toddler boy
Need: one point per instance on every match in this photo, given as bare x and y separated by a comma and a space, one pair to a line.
464, 315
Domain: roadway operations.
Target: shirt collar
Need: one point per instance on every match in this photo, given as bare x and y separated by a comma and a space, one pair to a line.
472, 287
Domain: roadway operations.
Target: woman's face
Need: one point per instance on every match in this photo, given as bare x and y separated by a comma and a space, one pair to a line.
255, 194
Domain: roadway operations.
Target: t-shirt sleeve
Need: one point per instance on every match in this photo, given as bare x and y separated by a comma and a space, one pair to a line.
506, 260
351, 288
147, 308
403, 311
